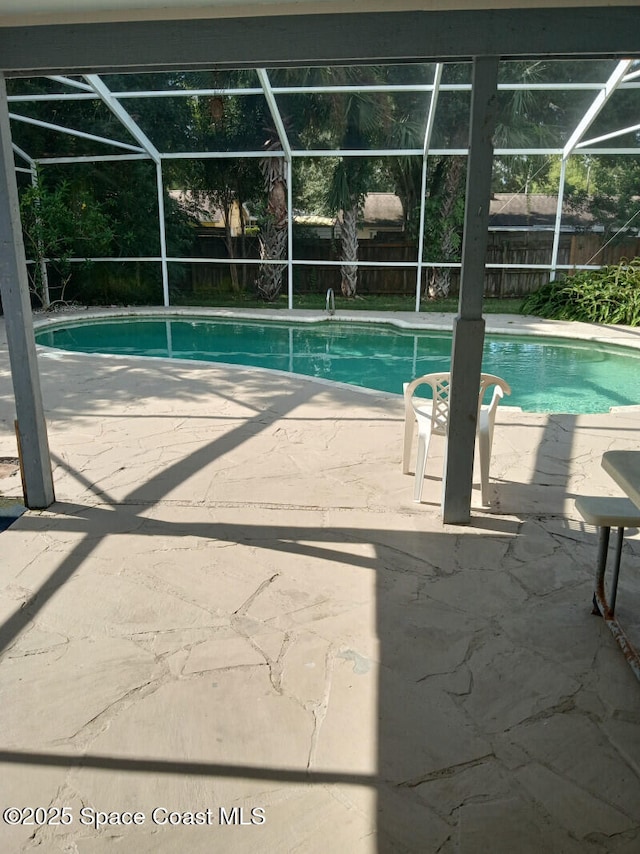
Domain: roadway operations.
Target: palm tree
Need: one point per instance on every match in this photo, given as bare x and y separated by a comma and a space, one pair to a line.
222, 123
273, 236
448, 189
359, 125
345, 197
526, 117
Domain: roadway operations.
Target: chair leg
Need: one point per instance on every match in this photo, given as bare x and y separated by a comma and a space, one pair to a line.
484, 447
421, 463
409, 426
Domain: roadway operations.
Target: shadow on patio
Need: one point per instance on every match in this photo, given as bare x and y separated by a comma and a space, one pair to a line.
236, 604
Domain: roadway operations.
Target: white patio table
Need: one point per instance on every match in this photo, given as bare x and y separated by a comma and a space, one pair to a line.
624, 468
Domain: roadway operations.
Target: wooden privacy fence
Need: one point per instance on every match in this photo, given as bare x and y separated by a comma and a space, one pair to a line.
505, 248
591, 249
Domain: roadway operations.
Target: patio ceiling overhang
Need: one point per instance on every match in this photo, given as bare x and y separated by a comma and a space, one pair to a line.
42, 37
309, 38
34, 12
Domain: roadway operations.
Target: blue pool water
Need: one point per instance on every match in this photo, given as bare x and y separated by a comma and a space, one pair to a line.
546, 375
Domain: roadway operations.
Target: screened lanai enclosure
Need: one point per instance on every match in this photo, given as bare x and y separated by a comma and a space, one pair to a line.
329, 108
276, 182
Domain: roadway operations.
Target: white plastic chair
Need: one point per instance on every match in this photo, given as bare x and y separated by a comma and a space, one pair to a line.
432, 417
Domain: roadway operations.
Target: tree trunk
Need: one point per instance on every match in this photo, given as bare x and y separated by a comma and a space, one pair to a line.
273, 243
41, 275
273, 239
440, 278
349, 254
243, 241
44, 294
227, 213
233, 269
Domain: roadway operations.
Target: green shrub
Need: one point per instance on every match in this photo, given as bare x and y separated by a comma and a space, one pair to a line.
608, 295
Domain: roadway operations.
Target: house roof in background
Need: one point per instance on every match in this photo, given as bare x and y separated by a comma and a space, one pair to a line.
531, 210
382, 209
203, 207
316, 220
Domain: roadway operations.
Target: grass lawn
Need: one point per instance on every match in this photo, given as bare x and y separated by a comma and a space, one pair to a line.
316, 302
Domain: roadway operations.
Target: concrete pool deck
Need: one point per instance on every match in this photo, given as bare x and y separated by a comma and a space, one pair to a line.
235, 605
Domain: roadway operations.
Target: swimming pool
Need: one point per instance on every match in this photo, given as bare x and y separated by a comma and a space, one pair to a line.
545, 374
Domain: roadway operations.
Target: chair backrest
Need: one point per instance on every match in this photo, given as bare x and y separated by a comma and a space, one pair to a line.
440, 386
496, 397
488, 380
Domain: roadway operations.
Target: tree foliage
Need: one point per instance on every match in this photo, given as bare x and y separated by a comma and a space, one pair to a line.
612, 194
222, 123
125, 193
60, 224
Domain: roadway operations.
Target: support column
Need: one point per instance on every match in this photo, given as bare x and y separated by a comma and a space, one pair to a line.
468, 330
556, 226
289, 165
163, 234
14, 287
